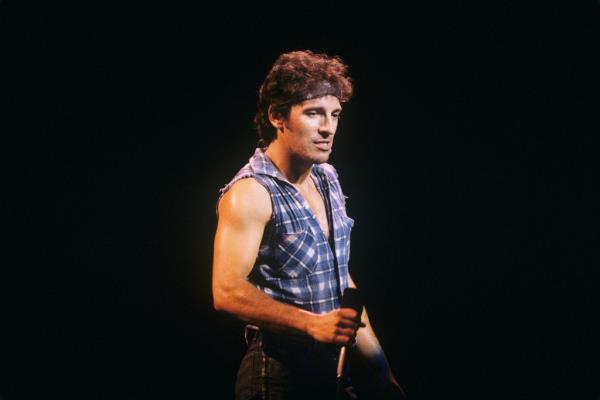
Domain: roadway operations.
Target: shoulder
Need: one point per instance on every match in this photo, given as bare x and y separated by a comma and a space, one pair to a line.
246, 199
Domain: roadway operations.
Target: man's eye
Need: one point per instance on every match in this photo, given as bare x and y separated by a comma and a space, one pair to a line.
337, 116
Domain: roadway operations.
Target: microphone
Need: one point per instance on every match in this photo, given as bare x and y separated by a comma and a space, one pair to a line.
351, 298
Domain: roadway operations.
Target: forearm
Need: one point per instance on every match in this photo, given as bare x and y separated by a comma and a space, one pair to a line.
373, 359
251, 305
369, 349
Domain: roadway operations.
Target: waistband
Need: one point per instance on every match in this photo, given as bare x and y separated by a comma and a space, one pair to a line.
270, 340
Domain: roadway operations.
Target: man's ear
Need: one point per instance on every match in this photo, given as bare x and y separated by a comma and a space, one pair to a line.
275, 119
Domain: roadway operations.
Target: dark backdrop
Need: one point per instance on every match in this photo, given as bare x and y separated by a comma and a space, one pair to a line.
467, 154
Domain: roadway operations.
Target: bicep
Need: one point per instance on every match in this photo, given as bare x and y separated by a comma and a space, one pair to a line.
243, 214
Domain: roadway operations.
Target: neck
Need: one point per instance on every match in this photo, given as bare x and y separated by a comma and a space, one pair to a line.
293, 168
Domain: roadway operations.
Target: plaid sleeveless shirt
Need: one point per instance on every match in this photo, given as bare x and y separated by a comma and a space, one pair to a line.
295, 263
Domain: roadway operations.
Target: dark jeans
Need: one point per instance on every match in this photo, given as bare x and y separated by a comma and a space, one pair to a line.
286, 367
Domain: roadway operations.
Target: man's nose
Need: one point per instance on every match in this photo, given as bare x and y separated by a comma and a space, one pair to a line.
328, 125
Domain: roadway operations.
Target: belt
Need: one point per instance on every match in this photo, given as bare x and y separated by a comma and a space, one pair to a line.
253, 333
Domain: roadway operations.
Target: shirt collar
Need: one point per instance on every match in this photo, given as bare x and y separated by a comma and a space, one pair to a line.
262, 164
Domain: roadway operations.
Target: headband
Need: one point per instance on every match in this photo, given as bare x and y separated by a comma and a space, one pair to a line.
317, 89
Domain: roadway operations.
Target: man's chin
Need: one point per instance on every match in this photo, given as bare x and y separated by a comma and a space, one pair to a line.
315, 158
322, 158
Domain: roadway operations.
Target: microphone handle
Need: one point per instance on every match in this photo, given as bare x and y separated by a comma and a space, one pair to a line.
351, 299
340, 365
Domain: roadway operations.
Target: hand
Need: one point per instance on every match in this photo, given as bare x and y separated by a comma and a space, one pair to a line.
337, 326
391, 390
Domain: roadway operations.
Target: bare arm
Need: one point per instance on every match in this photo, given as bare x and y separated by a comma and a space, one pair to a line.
244, 212
371, 354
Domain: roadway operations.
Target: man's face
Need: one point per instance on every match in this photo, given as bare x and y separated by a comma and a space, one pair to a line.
310, 128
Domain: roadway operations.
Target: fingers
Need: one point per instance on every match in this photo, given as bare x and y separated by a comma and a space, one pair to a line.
348, 313
346, 336
344, 339
350, 323
349, 318
345, 332
338, 326
348, 326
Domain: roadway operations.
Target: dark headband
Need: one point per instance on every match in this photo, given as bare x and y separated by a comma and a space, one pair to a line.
314, 91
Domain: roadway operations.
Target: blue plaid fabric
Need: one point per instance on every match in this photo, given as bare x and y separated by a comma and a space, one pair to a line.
295, 262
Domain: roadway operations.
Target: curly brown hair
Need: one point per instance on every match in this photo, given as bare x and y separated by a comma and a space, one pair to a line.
294, 77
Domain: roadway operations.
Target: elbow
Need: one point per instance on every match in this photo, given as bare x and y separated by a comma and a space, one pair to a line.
222, 300
218, 301
228, 296
216, 305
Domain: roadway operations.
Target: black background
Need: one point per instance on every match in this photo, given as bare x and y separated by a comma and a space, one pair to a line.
467, 154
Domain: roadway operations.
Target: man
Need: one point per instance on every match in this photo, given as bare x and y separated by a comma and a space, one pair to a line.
283, 241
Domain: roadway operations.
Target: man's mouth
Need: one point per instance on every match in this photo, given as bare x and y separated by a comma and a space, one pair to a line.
324, 145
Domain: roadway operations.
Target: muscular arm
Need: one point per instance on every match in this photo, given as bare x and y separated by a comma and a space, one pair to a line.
243, 214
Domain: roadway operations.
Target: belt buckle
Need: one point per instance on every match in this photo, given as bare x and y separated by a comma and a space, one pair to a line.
250, 332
